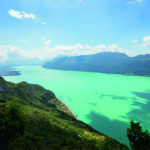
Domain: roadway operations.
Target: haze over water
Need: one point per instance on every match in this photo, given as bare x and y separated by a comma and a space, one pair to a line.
107, 102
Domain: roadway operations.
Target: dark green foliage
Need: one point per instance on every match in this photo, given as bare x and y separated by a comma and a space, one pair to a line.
106, 62
109, 144
139, 140
29, 94
35, 131
12, 124
31, 118
3, 83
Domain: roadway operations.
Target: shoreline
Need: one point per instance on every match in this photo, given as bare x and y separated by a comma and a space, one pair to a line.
68, 109
124, 74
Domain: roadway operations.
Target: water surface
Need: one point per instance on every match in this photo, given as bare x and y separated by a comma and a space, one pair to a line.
107, 102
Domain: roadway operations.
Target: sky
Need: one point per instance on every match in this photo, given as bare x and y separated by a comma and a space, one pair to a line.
44, 29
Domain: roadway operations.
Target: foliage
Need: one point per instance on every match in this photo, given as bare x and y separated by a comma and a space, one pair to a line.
12, 124
139, 140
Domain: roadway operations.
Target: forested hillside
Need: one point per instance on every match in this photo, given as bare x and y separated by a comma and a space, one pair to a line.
31, 118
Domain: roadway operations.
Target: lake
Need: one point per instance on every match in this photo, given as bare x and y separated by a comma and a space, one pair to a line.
107, 102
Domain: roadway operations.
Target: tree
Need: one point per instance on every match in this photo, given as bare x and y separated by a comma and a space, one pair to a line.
12, 124
139, 140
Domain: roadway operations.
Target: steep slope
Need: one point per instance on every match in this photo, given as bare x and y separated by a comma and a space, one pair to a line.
32, 118
106, 62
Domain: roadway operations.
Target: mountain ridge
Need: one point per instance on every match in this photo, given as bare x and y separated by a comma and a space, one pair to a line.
104, 62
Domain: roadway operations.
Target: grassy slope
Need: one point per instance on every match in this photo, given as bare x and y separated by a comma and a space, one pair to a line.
46, 123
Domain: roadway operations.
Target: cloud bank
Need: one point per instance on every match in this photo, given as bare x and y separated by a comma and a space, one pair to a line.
146, 42
9, 52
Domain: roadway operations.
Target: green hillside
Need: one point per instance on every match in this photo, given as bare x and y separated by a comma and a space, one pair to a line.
31, 118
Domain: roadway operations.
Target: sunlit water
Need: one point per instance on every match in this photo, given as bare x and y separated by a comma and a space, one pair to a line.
107, 102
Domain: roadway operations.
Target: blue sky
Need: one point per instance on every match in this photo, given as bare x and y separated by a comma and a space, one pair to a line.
46, 28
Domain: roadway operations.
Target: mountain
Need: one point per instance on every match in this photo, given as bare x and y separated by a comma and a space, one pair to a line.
143, 57
105, 62
6, 70
32, 118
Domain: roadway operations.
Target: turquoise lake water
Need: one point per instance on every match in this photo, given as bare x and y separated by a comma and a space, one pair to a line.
107, 102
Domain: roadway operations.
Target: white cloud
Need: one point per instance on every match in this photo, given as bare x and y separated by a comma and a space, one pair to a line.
15, 14
21, 14
9, 52
3, 55
132, 2
114, 48
44, 23
146, 41
47, 44
78, 49
26, 15
134, 41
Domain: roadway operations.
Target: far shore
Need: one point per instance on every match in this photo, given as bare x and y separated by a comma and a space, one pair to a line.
124, 74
